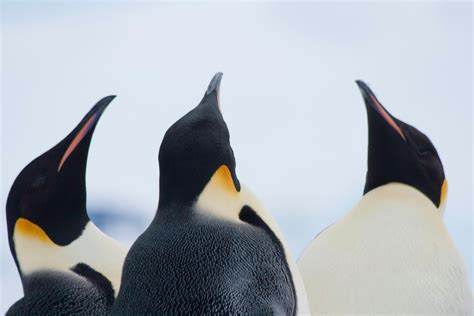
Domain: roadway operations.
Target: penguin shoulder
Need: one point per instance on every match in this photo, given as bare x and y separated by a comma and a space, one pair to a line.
80, 291
37, 252
255, 204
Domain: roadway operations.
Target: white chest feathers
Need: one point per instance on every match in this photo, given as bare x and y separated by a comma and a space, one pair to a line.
36, 252
391, 254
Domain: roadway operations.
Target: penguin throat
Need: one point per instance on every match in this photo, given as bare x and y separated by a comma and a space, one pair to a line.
181, 191
222, 180
30, 230
36, 252
396, 196
220, 197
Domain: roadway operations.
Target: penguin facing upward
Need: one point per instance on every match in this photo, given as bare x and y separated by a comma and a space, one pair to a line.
66, 264
392, 253
211, 248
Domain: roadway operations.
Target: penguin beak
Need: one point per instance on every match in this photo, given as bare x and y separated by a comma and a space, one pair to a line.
375, 110
213, 90
82, 134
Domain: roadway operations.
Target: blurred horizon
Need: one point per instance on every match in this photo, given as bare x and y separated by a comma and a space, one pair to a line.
296, 117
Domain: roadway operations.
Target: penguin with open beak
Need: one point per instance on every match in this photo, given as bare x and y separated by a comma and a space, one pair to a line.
212, 248
392, 253
66, 264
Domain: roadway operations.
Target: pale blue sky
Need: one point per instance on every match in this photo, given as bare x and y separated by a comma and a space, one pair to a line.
296, 117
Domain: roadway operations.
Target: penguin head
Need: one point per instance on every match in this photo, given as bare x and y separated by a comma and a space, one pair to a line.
193, 149
47, 201
398, 152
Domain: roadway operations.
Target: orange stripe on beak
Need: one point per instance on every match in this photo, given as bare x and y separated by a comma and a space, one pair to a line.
79, 136
386, 116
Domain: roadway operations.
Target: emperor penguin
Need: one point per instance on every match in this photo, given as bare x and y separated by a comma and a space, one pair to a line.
392, 253
212, 248
66, 264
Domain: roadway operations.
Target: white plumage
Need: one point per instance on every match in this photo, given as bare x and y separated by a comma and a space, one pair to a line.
391, 254
93, 247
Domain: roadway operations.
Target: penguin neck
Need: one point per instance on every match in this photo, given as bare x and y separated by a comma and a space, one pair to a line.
397, 197
37, 252
178, 197
61, 234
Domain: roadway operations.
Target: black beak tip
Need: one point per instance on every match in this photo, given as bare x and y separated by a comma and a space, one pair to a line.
215, 83
102, 104
360, 83
364, 88
106, 100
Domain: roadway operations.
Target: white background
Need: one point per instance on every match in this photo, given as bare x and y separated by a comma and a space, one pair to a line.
296, 117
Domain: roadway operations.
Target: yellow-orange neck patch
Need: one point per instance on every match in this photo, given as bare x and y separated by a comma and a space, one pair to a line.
28, 229
444, 192
223, 178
